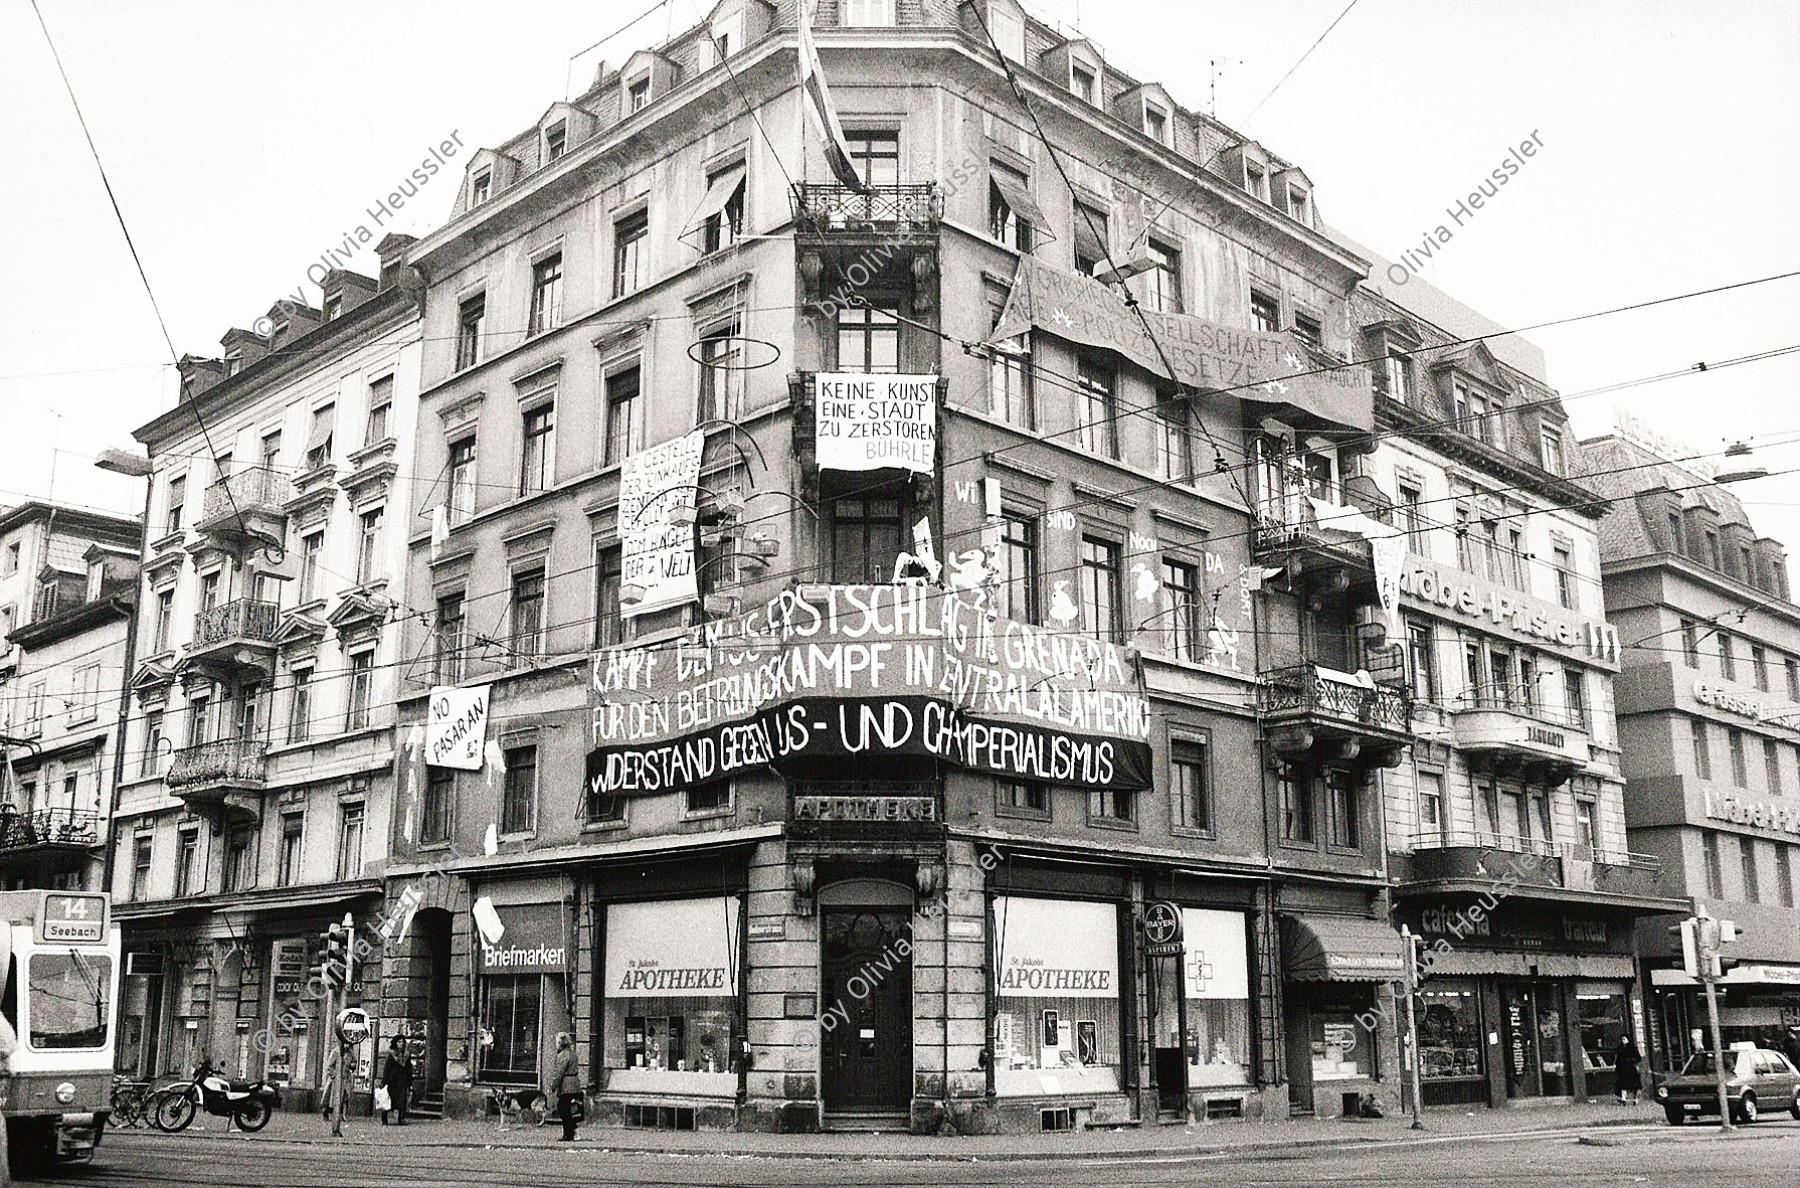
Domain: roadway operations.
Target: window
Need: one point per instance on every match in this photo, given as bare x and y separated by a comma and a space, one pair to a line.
1010, 207
1098, 408
153, 742
300, 707
1727, 657
381, 403
1297, 204
1423, 649
1186, 633
1082, 82
1412, 517
1793, 678
546, 295
1175, 438
481, 189
527, 612
140, 866
876, 156
608, 622
518, 802
1585, 836
1747, 864
868, 337
1784, 874
1690, 644
1575, 697
621, 411
1189, 785
712, 797
11, 565
1091, 239
1399, 377
471, 315
1020, 798
556, 141
1431, 806
318, 442
171, 520
1772, 765
199, 718
1759, 666
1676, 542
190, 878
1256, 181
312, 554
725, 226
350, 841
1015, 584
867, 13
631, 236
865, 538
452, 625
1112, 806
537, 451
637, 95
1009, 378
721, 373
605, 808
1550, 450
292, 834
1345, 808
460, 499
1702, 752
362, 679
1265, 312
1310, 330
1296, 808
1740, 773
1712, 548
1562, 565
1715, 865
368, 547
440, 795
1156, 123
1100, 588
1163, 283
240, 858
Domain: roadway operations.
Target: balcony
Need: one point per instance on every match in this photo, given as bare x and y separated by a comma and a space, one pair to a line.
1514, 736
902, 211
1312, 708
47, 841
1289, 532
247, 509
1529, 865
234, 638
224, 776
891, 232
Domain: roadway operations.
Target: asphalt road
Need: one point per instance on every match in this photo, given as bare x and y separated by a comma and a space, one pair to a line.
1650, 1155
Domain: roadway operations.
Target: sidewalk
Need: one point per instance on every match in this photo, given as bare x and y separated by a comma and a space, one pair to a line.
1196, 1139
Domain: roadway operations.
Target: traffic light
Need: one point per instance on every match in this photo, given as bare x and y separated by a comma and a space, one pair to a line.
1702, 941
334, 951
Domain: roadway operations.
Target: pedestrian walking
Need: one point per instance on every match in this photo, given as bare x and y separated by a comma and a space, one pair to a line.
1626, 1061
9, 1043
396, 1078
565, 1082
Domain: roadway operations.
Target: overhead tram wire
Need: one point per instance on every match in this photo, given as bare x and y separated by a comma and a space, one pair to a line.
1301, 61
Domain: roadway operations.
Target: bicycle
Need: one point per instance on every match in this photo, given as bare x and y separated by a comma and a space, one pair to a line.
128, 1101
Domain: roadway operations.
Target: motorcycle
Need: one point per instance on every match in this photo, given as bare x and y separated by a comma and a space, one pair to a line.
248, 1103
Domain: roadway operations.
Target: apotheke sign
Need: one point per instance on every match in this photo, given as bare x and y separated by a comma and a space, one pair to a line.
1507, 610
1762, 814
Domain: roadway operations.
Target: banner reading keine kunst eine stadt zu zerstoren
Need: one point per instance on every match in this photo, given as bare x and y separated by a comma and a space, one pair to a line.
844, 670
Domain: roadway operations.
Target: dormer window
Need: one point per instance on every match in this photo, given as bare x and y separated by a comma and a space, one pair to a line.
480, 188
869, 13
1399, 376
334, 306
234, 362
1083, 82
556, 141
637, 94
1298, 205
727, 36
1156, 123
1008, 27
1256, 182
1478, 414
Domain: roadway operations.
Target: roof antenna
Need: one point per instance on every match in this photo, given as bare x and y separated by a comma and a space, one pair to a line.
1212, 86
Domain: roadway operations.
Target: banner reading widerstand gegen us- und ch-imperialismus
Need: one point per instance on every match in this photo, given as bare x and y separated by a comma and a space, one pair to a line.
845, 670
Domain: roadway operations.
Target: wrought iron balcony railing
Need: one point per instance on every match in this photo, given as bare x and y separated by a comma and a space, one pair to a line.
907, 208
1519, 698
1307, 689
255, 489
236, 621
49, 826
222, 761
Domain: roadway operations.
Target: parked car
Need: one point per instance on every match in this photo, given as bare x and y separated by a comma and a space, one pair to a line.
1757, 1080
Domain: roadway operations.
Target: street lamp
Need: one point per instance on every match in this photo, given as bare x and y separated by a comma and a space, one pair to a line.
1738, 454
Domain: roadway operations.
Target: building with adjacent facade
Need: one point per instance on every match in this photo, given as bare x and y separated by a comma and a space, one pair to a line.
1709, 717
67, 589
255, 799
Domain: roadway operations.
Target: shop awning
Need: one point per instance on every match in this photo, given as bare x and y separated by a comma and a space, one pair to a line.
1483, 962
1340, 949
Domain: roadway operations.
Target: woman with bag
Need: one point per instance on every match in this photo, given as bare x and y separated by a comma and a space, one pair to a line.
566, 1084
395, 1082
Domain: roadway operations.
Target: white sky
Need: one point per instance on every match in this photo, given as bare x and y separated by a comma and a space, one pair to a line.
243, 140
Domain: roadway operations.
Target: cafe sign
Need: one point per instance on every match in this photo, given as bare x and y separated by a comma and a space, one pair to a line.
1507, 612
1762, 814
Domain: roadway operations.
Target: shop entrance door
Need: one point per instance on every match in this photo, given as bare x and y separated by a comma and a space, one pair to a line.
865, 1038
1536, 1048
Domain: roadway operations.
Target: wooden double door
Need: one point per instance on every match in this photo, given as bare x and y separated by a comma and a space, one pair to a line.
866, 1004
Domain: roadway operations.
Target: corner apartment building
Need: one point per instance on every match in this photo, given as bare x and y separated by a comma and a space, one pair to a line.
1506, 823
261, 734
664, 268
68, 583
1709, 713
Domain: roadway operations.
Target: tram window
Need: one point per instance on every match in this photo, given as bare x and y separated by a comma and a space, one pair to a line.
68, 999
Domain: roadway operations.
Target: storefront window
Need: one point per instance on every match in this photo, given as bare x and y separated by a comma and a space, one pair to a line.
672, 996
524, 1000
514, 1012
1449, 1017
1341, 1047
1216, 971
1056, 988
1603, 1016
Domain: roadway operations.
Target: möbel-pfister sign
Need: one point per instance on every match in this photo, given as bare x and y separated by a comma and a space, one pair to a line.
845, 670
1507, 611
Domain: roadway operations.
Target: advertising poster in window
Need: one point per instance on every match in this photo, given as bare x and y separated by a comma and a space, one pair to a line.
1056, 990
831, 671
658, 496
876, 422
1216, 972
671, 989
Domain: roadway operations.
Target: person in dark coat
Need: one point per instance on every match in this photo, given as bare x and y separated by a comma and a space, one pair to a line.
396, 1076
565, 1083
1628, 1080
